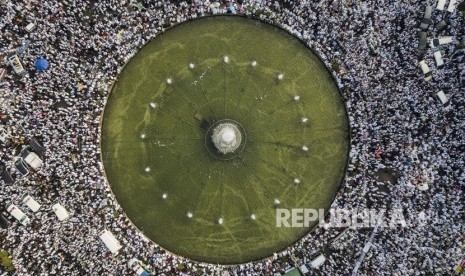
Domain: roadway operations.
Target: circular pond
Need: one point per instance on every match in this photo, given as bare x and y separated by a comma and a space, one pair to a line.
214, 125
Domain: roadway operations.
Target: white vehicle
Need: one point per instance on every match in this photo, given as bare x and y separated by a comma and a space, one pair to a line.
452, 6
438, 59
30, 27
110, 241
138, 267
60, 211
442, 97
33, 160
318, 261
441, 5
425, 69
18, 214
31, 203
440, 41
17, 65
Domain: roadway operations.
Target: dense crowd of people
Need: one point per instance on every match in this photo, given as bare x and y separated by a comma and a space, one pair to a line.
403, 139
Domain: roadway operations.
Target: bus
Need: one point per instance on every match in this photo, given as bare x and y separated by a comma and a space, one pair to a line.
441, 5
17, 65
18, 214
318, 261
452, 6
426, 71
110, 241
426, 18
60, 211
438, 59
138, 267
33, 160
442, 40
442, 97
31, 203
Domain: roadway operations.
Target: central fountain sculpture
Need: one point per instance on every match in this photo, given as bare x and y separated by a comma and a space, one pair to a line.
226, 137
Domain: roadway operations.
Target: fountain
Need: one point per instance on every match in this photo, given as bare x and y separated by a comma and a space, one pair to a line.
231, 140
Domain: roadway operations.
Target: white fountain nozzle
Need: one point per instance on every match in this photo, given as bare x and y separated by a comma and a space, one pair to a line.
226, 138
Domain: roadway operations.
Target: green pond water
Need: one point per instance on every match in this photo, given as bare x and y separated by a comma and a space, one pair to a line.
154, 145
